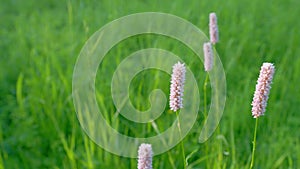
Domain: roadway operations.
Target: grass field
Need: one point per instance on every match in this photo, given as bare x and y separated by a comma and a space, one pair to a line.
39, 45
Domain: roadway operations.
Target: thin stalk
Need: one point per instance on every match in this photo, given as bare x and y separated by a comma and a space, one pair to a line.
165, 144
205, 96
205, 107
254, 144
181, 143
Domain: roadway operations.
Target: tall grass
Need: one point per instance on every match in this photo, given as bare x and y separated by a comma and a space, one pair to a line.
39, 43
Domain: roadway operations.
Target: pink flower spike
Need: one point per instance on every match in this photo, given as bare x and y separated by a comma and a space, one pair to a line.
177, 85
208, 56
262, 90
213, 28
145, 156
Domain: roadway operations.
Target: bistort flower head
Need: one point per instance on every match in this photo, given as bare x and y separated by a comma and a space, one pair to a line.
177, 85
208, 56
145, 156
262, 90
213, 28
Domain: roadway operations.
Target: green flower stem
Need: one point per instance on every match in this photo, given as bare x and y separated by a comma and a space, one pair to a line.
254, 144
181, 143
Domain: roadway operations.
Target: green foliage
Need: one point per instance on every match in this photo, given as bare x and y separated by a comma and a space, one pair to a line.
39, 44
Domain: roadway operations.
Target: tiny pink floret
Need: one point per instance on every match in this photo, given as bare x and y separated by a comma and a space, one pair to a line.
213, 28
177, 86
262, 90
145, 154
208, 56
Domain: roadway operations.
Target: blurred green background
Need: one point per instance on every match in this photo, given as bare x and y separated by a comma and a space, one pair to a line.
39, 44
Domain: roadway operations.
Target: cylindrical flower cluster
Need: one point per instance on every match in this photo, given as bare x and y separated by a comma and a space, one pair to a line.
208, 56
213, 28
145, 154
262, 90
177, 86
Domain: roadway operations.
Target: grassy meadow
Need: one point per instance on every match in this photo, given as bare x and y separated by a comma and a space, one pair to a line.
41, 40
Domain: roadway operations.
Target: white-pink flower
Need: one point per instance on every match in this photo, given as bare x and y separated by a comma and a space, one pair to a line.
177, 86
208, 56
262, 90
145, 154
213, 28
